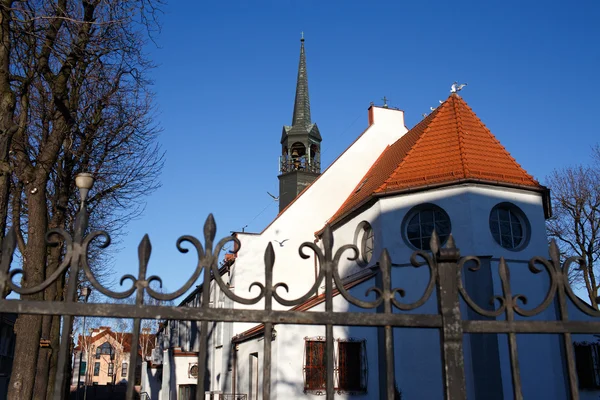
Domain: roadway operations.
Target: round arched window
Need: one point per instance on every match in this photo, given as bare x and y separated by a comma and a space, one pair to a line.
193, 370
367, 243
364, 239
509, 226
420, 222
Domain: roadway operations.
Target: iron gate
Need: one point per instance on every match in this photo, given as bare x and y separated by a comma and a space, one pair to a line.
445, 266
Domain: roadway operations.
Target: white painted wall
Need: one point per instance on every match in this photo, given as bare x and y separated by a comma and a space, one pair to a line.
151, 380
310, 211
469, 206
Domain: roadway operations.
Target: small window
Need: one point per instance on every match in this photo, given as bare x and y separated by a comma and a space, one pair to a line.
587, 364
193, 371
98, 353
187, 392
352, 366
509, 226
420, 222
111, 369
367, 243
315, 365
82, 368
124, 370
364, 239
96, 369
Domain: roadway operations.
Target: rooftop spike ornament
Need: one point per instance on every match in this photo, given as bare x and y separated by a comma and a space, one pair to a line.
457, 87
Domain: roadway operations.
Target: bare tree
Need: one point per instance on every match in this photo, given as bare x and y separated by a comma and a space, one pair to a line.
576, 220
73, 97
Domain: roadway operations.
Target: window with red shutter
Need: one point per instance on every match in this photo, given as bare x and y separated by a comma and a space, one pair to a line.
350, 366
314, 365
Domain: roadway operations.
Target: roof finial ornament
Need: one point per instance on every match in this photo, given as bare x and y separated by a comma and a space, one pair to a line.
302, 36
456, 87
385, 100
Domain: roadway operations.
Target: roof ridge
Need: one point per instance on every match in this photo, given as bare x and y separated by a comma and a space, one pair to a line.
497, 142
461, 133
431, 118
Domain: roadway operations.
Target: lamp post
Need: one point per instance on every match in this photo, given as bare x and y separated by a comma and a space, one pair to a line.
85, 293
84, 182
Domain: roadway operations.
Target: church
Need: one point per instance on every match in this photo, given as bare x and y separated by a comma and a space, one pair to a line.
390, 189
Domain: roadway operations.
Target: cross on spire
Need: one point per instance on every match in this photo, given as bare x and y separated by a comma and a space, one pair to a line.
385, 100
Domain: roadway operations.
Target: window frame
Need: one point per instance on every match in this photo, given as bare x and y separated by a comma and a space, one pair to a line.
124, 366
515, 211
82, 367
105, 349
111, 369
97, 368
587, 355
416, 211
368, 235
186, 392
364, 231
340, 372
314, 374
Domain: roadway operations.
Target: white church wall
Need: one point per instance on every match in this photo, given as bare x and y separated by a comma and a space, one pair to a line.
351, 233
151, 380
310, 211
469, 208
289, 381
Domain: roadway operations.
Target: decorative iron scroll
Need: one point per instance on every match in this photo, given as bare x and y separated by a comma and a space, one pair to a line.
444, 265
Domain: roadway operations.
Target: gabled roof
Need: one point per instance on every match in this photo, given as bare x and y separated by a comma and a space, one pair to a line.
450, 145
123, 339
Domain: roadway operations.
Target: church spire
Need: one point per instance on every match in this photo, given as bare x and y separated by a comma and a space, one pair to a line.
302, 102
300, 160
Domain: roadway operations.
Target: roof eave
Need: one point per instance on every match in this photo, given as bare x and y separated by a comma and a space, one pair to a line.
368, 202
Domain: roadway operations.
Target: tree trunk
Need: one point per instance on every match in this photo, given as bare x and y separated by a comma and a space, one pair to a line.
55, 344
52, 293
29, 327
8, 103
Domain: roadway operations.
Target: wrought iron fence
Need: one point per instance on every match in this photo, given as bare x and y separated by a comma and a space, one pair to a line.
445, 265
229, 396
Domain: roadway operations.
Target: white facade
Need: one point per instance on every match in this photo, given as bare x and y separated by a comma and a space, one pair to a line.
417, 351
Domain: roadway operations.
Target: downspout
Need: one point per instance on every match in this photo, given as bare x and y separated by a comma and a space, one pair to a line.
234, 375
316, 273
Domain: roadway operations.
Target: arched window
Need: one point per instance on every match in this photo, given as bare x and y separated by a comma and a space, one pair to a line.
364, 240
297, 150
367, 243
105, 348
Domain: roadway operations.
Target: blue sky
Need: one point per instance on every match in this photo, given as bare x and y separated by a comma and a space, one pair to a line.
226, 77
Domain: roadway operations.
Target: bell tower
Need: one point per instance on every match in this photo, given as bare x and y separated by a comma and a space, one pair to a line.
300, 160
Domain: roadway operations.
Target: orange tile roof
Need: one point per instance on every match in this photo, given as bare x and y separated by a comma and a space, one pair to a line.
449, 145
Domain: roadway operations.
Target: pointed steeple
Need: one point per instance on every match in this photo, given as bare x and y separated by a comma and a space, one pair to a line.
300, 160
302, 102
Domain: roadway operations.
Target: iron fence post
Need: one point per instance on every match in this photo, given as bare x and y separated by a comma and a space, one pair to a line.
451, 336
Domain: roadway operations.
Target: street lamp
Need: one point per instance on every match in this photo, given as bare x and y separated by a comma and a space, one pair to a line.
84, 182
85, 294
